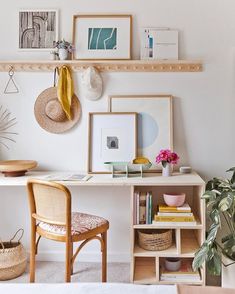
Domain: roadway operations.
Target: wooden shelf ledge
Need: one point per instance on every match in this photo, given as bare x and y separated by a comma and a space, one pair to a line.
105, 65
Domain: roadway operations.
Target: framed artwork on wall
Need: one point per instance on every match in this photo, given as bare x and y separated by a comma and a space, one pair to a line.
112, 137
155, 130
38, 29
102, 36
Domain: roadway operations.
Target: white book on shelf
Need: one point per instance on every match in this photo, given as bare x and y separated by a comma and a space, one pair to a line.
179, 224
175, 214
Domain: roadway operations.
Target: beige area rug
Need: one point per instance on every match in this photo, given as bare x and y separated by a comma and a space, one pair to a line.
53, 272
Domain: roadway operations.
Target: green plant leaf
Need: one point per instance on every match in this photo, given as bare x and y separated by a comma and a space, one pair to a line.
200, 256
215, 216
232, 169
226, 202
214, 264
212, 233
209, 195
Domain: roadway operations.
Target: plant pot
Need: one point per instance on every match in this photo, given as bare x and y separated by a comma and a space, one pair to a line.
228, 273
167, 170
63, 54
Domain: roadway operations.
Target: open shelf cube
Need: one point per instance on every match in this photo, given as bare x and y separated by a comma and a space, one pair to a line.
145, 265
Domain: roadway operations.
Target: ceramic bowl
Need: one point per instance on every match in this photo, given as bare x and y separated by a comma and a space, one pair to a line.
172, 264
174, 199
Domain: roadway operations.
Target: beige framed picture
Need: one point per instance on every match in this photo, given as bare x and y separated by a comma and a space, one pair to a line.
112, 137
102, 36
155, 122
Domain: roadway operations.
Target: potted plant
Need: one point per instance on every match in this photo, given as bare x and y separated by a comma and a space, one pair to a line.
64, 48
219, 245
167, 159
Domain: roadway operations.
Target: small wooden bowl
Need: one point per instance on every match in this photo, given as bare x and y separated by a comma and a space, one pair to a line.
16, 168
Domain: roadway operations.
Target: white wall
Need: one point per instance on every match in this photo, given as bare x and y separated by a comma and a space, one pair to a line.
203, 103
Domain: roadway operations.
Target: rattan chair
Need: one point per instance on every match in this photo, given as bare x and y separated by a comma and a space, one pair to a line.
51, 218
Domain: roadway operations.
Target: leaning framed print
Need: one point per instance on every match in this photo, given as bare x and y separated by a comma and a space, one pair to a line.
155, 130
112, 138
102, 36
38, 29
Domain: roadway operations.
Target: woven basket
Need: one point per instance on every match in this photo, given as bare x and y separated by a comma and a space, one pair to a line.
155, 240
13, 259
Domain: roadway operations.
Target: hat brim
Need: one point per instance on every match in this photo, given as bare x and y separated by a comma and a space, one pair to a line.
48, 124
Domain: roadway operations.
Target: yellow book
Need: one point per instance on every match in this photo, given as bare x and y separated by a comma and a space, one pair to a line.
183, 208
174, 218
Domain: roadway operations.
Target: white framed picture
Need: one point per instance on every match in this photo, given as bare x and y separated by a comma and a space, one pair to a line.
102, 36
155, 122
159, 43
112, 138
38, 29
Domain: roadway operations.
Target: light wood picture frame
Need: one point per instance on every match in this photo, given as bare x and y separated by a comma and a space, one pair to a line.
155, 122
112, 137
102, 37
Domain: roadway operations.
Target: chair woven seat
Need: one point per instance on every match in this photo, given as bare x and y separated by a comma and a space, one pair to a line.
81, 223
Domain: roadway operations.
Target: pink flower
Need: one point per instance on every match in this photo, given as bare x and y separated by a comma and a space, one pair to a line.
166, 156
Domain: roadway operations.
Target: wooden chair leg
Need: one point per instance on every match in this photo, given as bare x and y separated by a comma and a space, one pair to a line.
68, 262
104, 257
71, 256
32, 250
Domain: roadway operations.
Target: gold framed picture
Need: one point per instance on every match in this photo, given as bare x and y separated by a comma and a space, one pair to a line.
155, 122
102, 36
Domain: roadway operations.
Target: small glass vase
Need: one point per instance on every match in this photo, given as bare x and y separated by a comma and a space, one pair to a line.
167, 170
63, 54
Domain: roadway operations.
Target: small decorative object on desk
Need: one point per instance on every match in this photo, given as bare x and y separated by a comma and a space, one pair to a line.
64, 48
127, 167
167, 158
16, 168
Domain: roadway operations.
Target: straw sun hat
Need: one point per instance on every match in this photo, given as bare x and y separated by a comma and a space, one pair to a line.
50, 115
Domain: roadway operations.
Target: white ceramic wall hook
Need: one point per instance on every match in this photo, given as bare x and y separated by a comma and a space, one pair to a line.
11, 87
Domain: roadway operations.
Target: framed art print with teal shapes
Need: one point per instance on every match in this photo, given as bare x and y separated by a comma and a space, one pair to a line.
102, 36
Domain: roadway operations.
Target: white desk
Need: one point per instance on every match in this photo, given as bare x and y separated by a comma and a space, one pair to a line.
106, 180
187, 238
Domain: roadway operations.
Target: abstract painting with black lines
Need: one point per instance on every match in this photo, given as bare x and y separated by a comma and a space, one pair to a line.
37, 29
102, 39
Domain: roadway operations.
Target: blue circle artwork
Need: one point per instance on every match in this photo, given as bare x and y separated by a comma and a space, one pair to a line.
147, 130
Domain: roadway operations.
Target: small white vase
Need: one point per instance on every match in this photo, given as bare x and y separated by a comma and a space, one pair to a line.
63, 54
167, 170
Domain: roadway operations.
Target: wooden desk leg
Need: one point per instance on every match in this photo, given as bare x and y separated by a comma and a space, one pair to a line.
104, 257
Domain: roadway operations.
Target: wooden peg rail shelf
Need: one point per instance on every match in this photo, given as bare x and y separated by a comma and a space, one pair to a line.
105, 65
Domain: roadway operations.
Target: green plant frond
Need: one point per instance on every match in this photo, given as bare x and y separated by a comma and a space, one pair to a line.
215, 216
220, 199
200, 256
227, 201
212, 233
209, 195
214, 264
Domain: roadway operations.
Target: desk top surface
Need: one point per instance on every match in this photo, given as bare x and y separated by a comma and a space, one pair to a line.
176, 179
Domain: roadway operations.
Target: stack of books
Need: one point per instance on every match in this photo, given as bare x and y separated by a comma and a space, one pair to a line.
167, 215
143, 207
184, 274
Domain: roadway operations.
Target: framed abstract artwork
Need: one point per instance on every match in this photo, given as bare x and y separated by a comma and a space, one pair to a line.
155, 130
102, 36
38, 29
112, 137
